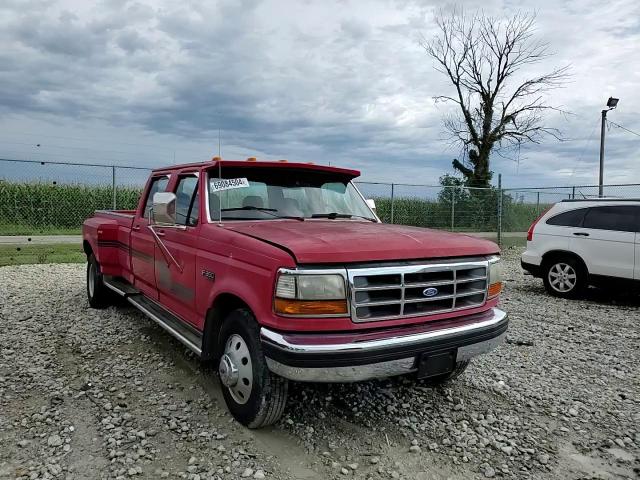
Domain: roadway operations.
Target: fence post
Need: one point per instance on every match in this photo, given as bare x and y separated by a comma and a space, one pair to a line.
538, 203
499, 209
113, 184
392, 199
453, 208
573, 193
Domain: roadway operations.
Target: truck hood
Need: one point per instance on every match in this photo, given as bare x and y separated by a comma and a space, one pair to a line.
347, 241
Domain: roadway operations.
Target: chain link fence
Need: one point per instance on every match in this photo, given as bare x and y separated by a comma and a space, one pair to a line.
56, 197
450, 208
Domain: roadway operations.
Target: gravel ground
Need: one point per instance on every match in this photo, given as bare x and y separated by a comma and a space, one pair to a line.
107, 394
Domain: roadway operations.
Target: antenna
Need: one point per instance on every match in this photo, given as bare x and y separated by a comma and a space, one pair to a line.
220, 178
219, 143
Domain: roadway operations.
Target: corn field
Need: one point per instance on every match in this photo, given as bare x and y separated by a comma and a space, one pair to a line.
56, 197
44, 207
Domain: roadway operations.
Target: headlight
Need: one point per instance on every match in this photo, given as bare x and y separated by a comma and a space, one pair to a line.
495, 277
310, 294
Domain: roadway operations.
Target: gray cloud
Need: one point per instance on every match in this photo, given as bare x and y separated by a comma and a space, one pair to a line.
344, 82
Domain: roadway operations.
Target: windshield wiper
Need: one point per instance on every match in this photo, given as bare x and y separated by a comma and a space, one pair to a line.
270, 211
334, 215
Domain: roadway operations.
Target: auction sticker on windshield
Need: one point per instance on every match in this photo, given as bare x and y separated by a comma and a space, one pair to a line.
228, 184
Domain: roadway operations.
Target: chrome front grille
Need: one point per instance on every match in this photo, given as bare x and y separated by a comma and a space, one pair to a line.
381, 293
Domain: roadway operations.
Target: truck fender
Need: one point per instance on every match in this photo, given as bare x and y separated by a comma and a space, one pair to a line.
223, 304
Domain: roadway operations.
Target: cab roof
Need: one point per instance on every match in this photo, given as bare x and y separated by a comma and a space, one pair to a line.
252, 163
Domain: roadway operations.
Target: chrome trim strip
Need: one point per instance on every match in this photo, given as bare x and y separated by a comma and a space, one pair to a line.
443, 282
344, 374
116, 214
114, 288
386, 369
177, 335
365, 201
280, 341
469, 351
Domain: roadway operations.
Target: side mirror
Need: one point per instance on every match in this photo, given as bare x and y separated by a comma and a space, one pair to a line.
372, 204
164, 208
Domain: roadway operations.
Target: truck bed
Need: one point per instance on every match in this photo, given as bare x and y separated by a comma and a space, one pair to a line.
108, 234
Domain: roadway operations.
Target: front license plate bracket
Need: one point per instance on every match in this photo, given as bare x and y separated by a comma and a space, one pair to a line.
432, 364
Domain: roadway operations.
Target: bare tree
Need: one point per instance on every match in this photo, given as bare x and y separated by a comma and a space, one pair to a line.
499, 108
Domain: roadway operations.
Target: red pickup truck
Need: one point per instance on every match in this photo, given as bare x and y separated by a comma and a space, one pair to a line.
278, 271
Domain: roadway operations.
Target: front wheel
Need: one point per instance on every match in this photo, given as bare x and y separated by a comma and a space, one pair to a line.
255, 396
564, 277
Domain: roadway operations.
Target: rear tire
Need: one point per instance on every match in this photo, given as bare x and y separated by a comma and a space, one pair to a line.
447, 377
98, 295
254, 396
564, 277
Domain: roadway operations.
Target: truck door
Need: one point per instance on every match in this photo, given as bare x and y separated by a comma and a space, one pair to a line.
175, 273
142, 243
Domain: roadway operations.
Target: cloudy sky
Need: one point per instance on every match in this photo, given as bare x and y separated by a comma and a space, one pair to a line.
346, 82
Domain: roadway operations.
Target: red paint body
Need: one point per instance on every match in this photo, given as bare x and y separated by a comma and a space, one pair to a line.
246, 254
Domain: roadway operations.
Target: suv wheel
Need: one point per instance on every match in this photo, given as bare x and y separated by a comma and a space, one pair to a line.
564, 277
255, 396
98, 295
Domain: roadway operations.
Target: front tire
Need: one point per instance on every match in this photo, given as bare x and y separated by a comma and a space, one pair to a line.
254, 396
564, 277
98, 295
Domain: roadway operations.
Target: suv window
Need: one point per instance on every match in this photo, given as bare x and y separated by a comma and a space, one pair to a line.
158, 184
619, 218
187, 205
572, 218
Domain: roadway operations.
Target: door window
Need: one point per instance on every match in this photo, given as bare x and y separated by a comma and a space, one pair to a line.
572, 218
618, 218
187, 206
158, 184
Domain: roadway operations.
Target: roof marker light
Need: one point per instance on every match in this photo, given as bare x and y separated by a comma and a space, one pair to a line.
252, 159
283, 161
216, 159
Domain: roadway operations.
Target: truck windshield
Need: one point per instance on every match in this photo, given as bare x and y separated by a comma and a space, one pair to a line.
269, 194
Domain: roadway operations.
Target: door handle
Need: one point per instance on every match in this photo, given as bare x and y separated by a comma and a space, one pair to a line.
581, 234
160, 233
135, 227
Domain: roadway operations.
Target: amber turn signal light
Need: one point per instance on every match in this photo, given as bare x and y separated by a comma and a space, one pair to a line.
310, 307
494, 289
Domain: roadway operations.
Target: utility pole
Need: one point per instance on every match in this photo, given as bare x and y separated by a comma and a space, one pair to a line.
611, 103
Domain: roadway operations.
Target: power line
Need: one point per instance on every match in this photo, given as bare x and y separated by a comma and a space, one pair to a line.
587, 144
95, 139
623, 128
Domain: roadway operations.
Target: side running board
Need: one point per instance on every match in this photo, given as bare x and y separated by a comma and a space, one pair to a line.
178, 328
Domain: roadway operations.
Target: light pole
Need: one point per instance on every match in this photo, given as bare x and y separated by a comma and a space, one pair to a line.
611, 104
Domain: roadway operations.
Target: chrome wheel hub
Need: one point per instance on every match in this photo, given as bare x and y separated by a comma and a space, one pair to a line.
228, 371
236, 370
562, 277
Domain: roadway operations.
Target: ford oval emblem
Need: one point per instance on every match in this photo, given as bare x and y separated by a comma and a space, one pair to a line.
430, 292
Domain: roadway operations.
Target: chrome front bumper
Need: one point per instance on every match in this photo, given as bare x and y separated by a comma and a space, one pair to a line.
352, 357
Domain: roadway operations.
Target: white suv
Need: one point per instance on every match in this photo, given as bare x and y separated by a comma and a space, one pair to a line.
577, 243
